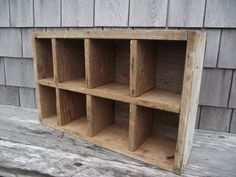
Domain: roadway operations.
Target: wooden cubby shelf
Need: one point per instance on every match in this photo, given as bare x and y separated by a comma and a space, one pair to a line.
131, 91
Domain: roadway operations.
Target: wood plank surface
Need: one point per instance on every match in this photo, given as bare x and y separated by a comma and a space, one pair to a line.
140, 126
189, 98
30, 148
143, 63
119, 34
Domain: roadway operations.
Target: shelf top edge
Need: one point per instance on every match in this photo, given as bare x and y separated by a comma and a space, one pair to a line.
128, 34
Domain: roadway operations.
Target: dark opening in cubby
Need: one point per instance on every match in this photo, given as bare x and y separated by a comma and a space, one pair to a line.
43, 51
73, 112
153, 132
108, 122
159, 67
109, 65
47, 99
70, 61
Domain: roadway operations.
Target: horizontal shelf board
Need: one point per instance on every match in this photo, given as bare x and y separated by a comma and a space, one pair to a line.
156, 98
77, 83
160, 99
118, 34
154, 150
47, 82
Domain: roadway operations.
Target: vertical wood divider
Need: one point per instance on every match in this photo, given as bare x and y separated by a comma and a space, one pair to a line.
100, 114
142, 67
140, 125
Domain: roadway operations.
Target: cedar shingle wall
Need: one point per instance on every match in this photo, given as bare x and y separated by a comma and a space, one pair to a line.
19, 18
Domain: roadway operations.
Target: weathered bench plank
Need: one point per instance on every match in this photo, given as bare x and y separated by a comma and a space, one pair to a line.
29, 149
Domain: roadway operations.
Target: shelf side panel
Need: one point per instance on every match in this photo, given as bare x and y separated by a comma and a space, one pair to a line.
190, 97
99, 113
140, 125
142, 72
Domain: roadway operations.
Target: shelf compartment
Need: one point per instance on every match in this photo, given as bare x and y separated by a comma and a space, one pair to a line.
70, 60
72, 106
108, 122
47, 102
157, 65
44, 63
108, 61
147, 138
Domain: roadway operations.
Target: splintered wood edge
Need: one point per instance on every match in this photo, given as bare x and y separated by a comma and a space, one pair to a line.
119, 34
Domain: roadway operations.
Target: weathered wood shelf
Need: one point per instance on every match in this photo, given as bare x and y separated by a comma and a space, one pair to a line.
131, 91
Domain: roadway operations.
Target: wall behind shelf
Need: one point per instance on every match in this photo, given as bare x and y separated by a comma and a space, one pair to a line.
19, 18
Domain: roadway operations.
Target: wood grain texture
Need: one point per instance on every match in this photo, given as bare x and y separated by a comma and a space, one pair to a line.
149, 13
216, 119
215, 87
233, 122
186, 13
27, 41
27, 97
43, 58
170, 57
212, 46
227, 52
143, 61
26, 142
165, 124
70, 60
47, 13
9, 95
21, 13
2, 72
19, 72
111, 13
100, 62
189, 98
4, 16
100, 114
10, 42
122, 61
72, 106
220, 14
232, 98
81, 11
97, 33
140, 125
47, 102
77, 157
